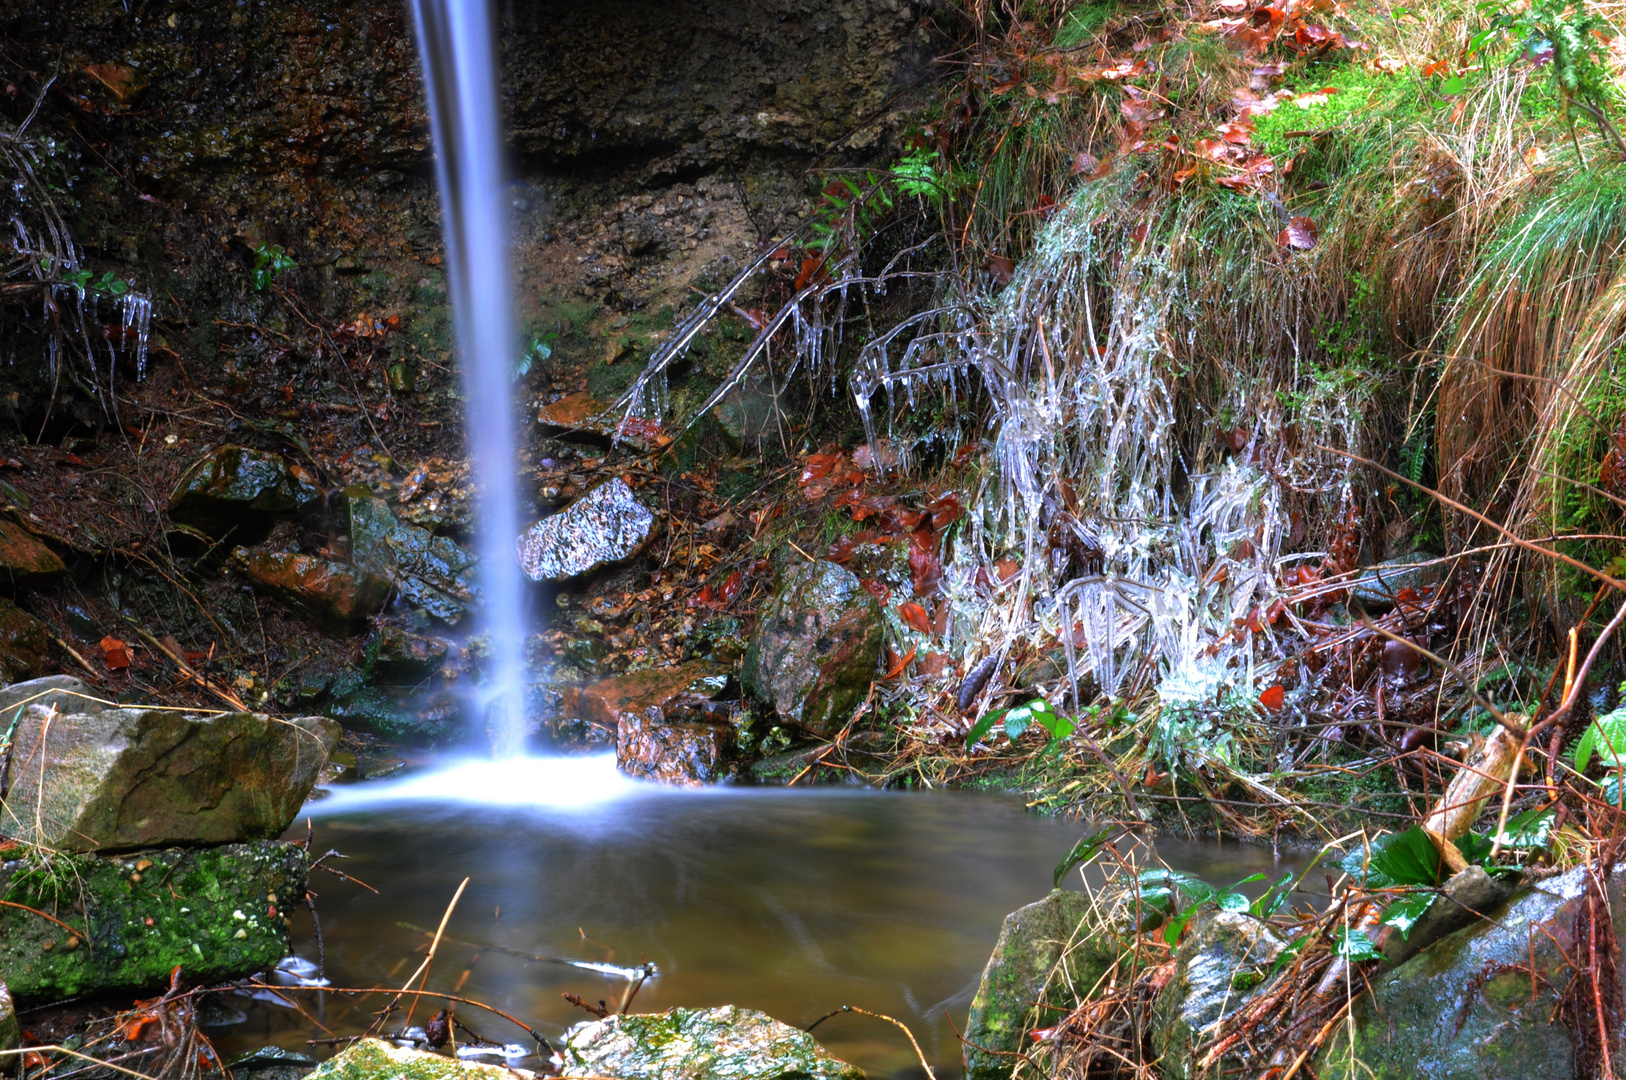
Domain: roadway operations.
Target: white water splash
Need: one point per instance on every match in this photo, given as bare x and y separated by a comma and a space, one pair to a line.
579, 783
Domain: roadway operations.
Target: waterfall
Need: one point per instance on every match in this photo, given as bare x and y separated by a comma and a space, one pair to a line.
455, 41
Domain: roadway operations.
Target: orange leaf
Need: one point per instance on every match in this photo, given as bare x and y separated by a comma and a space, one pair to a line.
1273, 698
915, 617
116, 653
1300, 233
901, 663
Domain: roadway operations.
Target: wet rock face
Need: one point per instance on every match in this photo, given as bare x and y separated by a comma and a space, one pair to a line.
1023, 970
336, 597
24, 559
236, 489
687, 754
375, 1059
1223, 954
11, 1033
816, 646
1465, 1009
217, 913
605, 526
431, 572
115, 779
400, 658
25, 643
660, 734
727, 1043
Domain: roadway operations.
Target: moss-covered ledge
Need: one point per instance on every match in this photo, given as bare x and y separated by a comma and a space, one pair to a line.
125, 922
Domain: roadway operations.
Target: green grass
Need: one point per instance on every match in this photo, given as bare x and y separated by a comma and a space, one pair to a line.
1082, 23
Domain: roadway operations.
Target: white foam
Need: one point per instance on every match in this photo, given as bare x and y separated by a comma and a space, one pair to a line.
557, 783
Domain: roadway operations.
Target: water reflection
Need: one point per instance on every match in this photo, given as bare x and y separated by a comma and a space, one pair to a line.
792, 902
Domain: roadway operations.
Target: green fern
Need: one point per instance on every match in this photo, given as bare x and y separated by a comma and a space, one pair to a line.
1605, 736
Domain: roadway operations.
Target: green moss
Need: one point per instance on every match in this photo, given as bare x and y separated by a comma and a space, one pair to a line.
208, 912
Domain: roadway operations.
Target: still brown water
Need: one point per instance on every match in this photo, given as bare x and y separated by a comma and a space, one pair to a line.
793, 902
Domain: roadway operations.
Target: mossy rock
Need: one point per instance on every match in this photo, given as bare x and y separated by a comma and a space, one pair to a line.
336, 597
1050, 955
216, 913
727, 1043
1222, 954
25, 643
236, 488
375, 1059
816, 647
24, 558
607, 525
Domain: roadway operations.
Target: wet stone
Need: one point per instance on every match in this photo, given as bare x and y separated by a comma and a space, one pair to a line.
374, 1059
1223, 954
114, 779
24, 559
816, 646
236, 487
336, 597
399, 657
400, 714
727, 1043
1027, 967
431, 572
665, 690
1377, 586
271, 1063
61, 692
11, 1033
25, 643
605, 526
1468, 1007
207, 911
688, 754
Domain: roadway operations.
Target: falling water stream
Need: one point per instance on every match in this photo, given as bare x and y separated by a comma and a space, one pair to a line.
456, 41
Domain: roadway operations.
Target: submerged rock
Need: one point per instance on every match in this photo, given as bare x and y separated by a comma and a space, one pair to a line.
375, 1059
1046, 953
24, 558
607, 525
727, 1043
335, 596
816, 646
236, 487
1223, 955
216, 913
431, 572
1479, 1004
112, 779
25, 643
400, 714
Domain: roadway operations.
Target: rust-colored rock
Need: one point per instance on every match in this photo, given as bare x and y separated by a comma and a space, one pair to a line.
24, 558
335, 596
687, 754
665, 689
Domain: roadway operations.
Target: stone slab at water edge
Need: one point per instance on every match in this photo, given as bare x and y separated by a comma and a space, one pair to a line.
375, 1059
727, 1043
216, 913
98, 778
605, 526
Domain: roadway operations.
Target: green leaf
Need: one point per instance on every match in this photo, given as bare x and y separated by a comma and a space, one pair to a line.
1082, 852
1016, 721
1475, 847
1057, 725
1404, 913
1605, 736
1273, 899
1404, 858
1167, 882
1354, 945
982, 727
1528, 831
1232, 901
1453, 86
1172, 928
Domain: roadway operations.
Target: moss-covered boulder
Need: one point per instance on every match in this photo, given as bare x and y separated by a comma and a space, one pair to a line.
1479, 1004
24, 558
236, 488
816, 646
216, 913
1048, 956
25, 643
1223, 955
605, 526
375, 1059
336, 597
727, 1043
429, 571
114, 779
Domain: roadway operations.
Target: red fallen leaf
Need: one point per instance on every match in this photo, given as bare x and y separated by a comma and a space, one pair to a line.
780, 254
811, 273
963, 455
1138, 234
1001, 269
914, 616
881, 593
116, 653
1006, 569
1041, 1034
944, 511
73, 459
731, 588
1438, 67
900, 663
925, 569
818, 467
1238, 131
1271, 17
1045, 206
1300, 233
940, 619
704, 599
840, 552
1273, 698
755, 316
